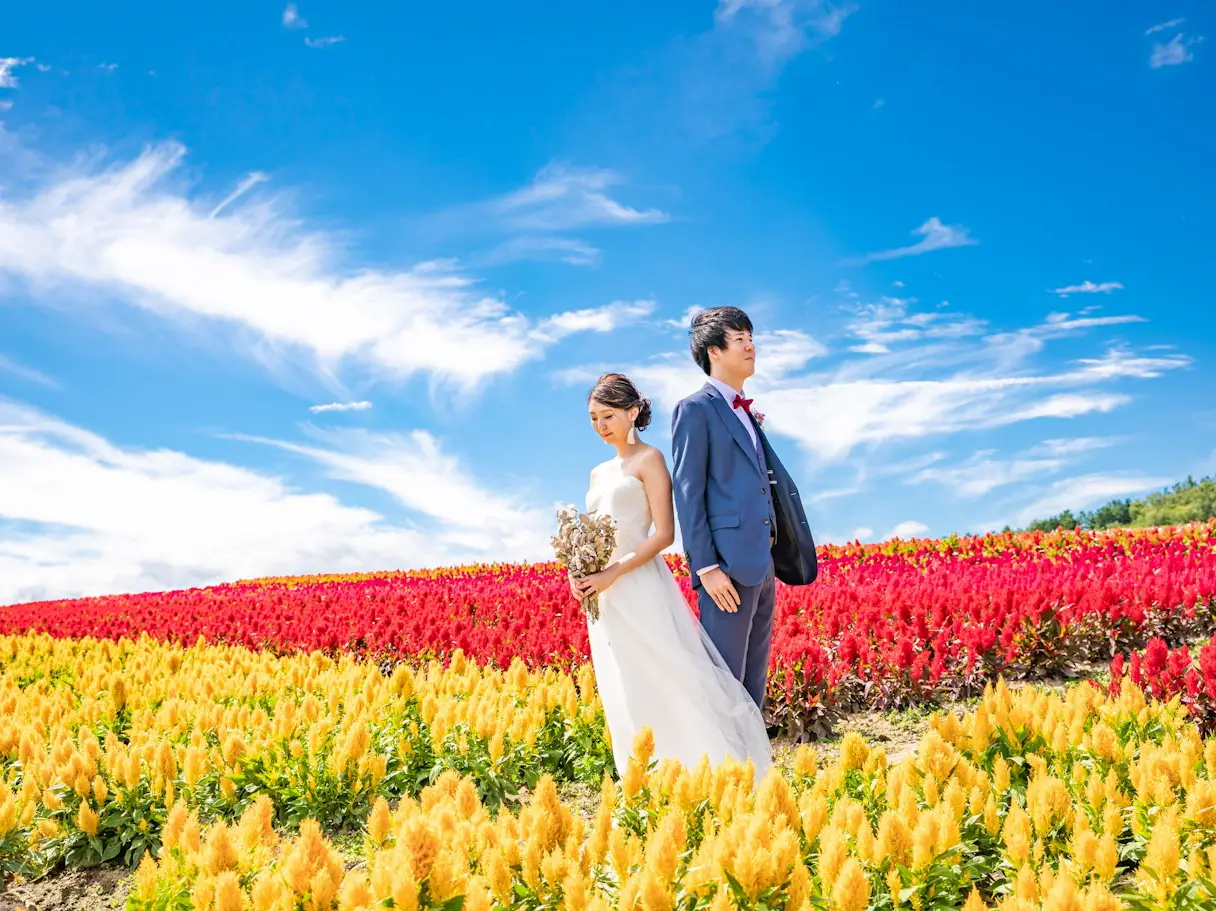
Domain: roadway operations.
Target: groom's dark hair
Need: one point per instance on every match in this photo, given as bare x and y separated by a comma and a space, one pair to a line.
709, 328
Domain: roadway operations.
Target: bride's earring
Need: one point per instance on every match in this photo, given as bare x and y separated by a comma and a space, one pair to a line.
633, 434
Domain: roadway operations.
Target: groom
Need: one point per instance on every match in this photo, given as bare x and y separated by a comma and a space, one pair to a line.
740, 517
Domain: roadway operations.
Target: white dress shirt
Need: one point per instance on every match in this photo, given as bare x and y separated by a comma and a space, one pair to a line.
729, 394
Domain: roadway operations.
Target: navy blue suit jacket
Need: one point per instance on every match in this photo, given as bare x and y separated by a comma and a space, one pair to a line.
731, 503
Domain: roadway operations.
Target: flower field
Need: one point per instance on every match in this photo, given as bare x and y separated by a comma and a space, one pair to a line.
1031, 802
410, 740
885, 626
225, 774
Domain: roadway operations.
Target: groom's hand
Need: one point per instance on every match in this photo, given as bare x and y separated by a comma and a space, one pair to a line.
721, 589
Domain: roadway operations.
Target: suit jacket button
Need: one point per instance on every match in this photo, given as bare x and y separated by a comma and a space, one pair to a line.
766, 521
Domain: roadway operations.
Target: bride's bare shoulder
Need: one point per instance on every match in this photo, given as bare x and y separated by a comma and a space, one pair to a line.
652, 459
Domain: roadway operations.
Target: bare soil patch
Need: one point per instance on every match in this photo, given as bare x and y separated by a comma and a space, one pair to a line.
95, 889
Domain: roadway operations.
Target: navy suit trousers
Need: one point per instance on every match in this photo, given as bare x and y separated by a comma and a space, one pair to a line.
744, 638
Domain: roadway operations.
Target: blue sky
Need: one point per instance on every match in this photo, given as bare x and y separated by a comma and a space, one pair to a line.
976, 243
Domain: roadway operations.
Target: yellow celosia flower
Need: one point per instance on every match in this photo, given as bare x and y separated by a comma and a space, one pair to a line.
1098, 897
379, 822
924, 840
894, 838
1201, 803
832, 854
851, 891
356, 894
145, 878
1106, 858
805, 761
1016, 834
813, 809
86, 819
654, 894
220, 855
228, 895
1026, 885
8, 814
853, 751
895, 885
1161, 857
1000, 775
974, 902
323, 887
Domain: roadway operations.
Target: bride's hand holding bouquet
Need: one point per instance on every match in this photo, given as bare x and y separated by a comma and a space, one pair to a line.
583, 545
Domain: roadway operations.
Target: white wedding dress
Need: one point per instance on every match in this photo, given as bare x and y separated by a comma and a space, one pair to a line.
654, 663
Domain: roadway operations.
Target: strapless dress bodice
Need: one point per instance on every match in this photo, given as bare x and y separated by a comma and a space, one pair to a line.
622, 496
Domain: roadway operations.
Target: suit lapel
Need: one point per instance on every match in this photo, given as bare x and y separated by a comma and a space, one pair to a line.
733, 426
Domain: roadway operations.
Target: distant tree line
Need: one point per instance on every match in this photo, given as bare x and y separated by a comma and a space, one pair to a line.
1186, 501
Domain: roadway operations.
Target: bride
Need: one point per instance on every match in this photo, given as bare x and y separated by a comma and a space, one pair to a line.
654, 664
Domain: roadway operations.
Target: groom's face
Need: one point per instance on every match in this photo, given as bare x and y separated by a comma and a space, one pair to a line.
738, 358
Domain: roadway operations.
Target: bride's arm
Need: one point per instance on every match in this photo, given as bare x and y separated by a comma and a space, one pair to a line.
657, 481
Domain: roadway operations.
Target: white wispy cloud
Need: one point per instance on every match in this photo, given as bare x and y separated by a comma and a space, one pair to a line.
668, 378
1063, 447
283, 293
251, 180
539, 218
1021, 343
887, 322
982, 473
8, 79
1088, 287
1161, 27
340, 406
934, 236
292, 18
713, 86
930, 389
684, 323
328, 41
594, 319
786, 351
562, 197
1175, 52
7, 365
82, 516
415, 470
567, 250
781, 29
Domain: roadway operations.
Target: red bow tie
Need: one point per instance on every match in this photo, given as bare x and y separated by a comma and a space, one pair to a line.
741, 402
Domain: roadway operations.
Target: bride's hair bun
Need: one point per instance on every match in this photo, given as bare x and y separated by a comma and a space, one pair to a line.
643, 420
617, 391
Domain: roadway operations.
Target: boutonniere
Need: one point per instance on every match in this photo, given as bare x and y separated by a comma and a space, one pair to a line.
759, 416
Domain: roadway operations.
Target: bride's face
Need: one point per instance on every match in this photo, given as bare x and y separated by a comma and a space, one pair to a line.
612, 424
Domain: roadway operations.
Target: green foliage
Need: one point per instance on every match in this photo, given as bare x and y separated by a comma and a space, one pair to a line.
1187, 501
